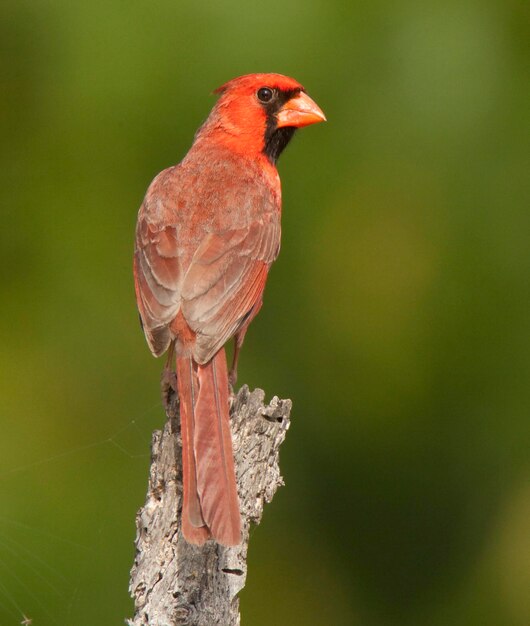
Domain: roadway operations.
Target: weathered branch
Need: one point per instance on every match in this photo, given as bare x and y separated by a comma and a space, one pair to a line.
172, 582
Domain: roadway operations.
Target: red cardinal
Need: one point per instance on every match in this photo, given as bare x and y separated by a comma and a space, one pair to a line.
207, 233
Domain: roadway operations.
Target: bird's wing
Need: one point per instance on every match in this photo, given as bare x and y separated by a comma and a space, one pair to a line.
226, 279
158, 275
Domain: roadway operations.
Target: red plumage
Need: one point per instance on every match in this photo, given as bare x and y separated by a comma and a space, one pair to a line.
207, 233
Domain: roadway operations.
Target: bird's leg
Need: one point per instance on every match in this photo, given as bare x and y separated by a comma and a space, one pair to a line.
238, 342
168, 382
239, 337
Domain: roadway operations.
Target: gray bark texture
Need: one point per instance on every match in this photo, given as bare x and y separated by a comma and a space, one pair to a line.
172, 582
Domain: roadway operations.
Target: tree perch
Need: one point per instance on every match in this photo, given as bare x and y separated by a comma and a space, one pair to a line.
172, 582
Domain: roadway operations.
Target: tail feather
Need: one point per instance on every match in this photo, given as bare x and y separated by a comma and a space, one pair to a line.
193, 526
210, 502
216, 482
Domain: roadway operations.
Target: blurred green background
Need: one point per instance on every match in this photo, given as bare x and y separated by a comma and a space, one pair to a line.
396, 317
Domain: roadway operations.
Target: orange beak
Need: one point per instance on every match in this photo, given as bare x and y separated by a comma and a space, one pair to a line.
299, 111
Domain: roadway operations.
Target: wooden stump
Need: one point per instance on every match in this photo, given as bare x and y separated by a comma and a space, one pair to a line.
172, 582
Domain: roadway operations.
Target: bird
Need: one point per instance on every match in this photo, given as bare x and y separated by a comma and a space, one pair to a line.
207, 233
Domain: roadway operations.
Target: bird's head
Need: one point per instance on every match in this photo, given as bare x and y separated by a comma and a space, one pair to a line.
259, 113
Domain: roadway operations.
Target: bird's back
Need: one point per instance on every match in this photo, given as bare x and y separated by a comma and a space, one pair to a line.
214, 211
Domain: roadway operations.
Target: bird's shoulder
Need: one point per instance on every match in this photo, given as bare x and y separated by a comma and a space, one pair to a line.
214, 190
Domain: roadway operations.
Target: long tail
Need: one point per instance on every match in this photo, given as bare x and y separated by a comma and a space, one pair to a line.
210, 502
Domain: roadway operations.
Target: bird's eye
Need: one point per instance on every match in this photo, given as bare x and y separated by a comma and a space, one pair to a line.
265, 94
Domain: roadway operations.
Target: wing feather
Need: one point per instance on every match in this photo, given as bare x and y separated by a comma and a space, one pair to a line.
201, 264
224, 283
158, 274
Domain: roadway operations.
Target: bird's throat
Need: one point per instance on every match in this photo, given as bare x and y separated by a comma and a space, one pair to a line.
276, 140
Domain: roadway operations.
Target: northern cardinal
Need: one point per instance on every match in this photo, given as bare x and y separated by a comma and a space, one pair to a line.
207, 233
